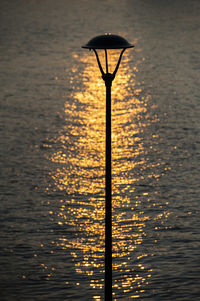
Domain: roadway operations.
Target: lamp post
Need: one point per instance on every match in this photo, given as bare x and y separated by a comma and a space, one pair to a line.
106, 42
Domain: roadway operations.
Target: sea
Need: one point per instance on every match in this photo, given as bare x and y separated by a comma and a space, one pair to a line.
52, 148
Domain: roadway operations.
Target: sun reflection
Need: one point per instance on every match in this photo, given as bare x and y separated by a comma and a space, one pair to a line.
79, 155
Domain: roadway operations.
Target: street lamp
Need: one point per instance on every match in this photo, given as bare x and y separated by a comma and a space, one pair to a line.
107, 42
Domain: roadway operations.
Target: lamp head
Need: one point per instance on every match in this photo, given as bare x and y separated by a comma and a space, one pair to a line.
108, 41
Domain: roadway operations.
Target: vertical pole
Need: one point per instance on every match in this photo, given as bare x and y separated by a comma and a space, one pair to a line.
108, 205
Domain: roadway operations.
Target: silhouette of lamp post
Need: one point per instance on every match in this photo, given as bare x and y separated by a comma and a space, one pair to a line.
107, 42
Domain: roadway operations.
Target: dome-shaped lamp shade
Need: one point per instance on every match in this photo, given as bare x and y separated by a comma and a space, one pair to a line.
108, 41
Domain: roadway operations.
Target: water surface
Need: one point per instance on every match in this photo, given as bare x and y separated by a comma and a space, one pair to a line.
53, 143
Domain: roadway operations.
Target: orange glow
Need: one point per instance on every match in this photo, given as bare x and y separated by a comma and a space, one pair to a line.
80, 173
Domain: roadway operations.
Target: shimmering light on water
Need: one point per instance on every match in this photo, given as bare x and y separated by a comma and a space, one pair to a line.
80, 172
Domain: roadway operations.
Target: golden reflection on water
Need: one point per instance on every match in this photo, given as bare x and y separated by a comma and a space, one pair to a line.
80, 173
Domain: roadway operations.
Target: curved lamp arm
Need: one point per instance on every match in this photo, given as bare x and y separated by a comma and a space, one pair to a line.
98, 61
111, 76
117, 67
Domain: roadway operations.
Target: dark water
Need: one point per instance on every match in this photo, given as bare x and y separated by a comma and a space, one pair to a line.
52, 151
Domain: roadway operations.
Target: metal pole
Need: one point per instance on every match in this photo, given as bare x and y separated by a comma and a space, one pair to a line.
108, 206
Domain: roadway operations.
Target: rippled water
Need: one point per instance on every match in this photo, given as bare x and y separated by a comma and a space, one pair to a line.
52, 148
